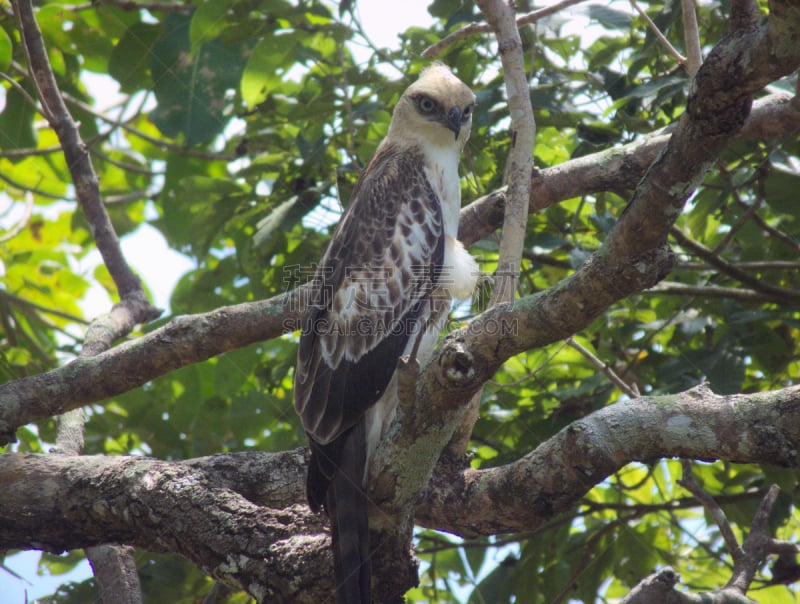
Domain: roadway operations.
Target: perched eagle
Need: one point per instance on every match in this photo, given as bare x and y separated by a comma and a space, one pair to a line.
382, 290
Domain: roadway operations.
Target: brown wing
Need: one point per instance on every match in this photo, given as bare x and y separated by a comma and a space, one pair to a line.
370, 291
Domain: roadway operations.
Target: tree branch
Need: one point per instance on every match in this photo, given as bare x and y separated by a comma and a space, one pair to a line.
520, 165
689, 483
697, 424
500, 16
782, 294
665, 43
691, 38
718, 105
115, 568
616, 169
484, 28
183, 341
672, 288
78, 501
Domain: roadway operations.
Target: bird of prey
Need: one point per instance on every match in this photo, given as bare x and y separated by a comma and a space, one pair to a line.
381, 291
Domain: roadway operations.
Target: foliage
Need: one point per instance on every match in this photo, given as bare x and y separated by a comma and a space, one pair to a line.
242, 129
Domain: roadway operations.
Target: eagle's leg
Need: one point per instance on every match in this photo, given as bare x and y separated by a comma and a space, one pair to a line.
412, 358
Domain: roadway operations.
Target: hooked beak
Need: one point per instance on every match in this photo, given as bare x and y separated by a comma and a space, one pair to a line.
453, 121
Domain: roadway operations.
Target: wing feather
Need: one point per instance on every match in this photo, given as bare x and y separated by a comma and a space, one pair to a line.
370, 293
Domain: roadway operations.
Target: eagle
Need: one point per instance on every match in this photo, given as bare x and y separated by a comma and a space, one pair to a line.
382, 291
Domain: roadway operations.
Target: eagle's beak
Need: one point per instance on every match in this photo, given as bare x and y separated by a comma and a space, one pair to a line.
454, 120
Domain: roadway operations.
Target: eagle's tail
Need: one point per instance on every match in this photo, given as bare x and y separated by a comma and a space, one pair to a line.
347, 506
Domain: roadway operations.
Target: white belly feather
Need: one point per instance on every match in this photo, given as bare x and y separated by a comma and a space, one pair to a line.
460, 270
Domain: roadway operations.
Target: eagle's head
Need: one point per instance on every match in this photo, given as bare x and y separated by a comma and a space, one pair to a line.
436, 108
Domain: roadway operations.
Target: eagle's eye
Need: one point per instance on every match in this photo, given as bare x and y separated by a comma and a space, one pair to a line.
426, 104
466, 113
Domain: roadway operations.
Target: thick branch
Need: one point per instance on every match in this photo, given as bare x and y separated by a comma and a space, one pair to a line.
660, 587
78, 501
183, 341
616, 169
754, 428
719, 103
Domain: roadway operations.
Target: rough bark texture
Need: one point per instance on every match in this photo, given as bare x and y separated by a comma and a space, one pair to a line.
81, 501
549, 480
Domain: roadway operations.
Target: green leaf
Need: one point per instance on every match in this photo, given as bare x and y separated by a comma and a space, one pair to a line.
129, 62
782, 185
208, 22
280, 218
498, 585
17, 356
198, 209
16, 121
191, 87
6, 49
59, 565
609, 17
262, 74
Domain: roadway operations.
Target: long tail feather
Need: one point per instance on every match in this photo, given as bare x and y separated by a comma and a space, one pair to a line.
346, 504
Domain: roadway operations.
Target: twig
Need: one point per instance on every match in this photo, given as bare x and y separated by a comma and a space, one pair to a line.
163, 7
756, 545
33, 189
672, 288
378, 51
691, 37
119, 163
749, 209
782, 293
129, 197
14, 299
631, 390
21, 89
660, 36
754, 265
161, 144
712, 507
483, 28
22, 222
588, 557
344, 86
776, 233
749, 556
23, 153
